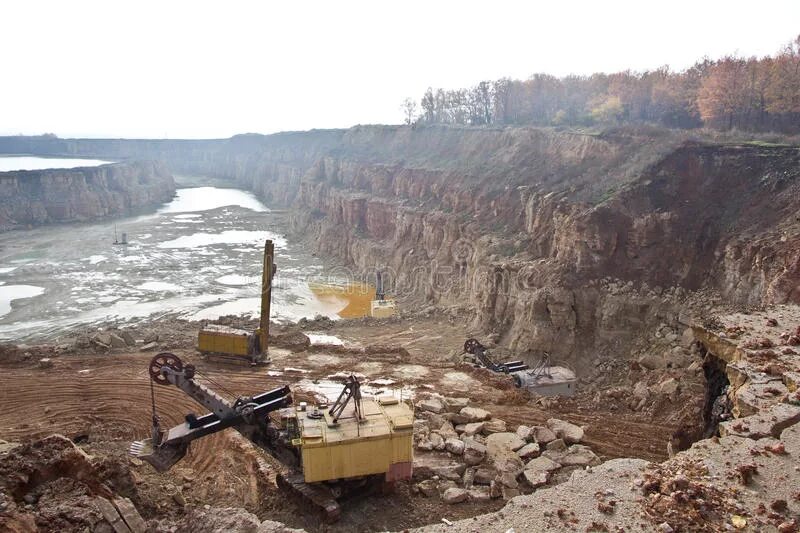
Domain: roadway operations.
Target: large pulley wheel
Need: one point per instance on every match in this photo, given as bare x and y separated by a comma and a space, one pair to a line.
160, 361
472, 345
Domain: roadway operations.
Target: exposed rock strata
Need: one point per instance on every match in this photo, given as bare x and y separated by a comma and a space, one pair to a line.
558, 241
65, 195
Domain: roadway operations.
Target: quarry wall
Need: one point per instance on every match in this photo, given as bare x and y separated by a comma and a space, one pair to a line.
555, 240
64, 195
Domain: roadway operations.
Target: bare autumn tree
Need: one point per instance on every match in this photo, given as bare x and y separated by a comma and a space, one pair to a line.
409, 108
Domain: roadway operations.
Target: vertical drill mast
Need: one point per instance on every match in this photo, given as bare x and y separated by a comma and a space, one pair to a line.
266, 293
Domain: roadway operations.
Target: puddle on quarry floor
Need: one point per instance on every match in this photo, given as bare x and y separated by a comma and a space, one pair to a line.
318, 339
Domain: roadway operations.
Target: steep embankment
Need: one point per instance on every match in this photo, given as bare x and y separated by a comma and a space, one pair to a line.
63, 195
531, 240
560, 241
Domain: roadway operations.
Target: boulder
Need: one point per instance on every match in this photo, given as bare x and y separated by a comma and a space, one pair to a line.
425, 445
436, 440
542, 434
428, 488
570, 433
525, 433
474, 452
505, 440
102, 339
641, 391
421, 427
45, 363
669, 387
455, 405
447, 430
445, 484
508, 479
433, 405
651, 362
468, 478
474, 414
541, 464
149, 347
578, 455
479, 494
536, 478
501, 451
687, 338
117, 341
471, 429
557, 445
455, 495
494, 425
450, 472
127, 337
434, 420
529, 451
484, 475
454, 446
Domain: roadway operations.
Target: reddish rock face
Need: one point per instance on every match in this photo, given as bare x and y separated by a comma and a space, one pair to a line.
63, 195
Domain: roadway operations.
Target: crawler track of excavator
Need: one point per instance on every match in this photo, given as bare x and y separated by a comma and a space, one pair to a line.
317, 495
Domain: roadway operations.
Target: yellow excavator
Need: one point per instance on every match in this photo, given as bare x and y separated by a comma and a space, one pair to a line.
229, 342
326, 452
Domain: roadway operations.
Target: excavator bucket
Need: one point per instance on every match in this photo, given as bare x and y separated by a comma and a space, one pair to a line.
163, 457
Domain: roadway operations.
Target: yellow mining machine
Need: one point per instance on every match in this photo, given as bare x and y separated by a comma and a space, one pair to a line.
381, 307
326, 451
241, 344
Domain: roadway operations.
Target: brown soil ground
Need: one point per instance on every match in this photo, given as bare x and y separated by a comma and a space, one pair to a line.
103, 402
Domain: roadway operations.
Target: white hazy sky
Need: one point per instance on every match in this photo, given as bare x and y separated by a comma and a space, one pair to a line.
199, 69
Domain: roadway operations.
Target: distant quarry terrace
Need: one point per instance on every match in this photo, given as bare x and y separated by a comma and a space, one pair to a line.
84, 189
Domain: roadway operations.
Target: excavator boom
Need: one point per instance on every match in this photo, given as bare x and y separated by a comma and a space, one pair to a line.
248, 415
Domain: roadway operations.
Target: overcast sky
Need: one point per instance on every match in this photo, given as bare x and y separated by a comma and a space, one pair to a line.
199, 69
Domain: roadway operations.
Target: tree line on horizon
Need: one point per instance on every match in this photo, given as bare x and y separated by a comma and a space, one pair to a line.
753, 94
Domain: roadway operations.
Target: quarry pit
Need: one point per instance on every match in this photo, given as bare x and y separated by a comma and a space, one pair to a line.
530, 239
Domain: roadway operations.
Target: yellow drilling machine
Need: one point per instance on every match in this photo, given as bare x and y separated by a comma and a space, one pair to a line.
325, 452
228, 342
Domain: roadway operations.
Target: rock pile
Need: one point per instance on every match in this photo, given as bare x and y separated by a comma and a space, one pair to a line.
483, 458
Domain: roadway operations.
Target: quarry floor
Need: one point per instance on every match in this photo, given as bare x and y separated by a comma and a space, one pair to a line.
102, 400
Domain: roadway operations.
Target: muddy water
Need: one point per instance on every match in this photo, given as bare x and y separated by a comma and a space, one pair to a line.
199, 256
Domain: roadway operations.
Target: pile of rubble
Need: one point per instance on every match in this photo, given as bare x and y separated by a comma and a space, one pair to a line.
481, 458
121, 338
665, 380
53, 485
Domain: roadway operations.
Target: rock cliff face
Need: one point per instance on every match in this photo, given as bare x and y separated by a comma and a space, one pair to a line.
557, 241
578, 265
62, 195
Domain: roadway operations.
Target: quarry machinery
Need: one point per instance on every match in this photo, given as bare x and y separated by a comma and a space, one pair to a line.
380, 307
481, 353
241, 344
543, 379
325, 452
